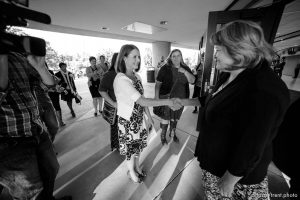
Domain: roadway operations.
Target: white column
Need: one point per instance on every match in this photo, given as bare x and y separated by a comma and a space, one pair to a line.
159, 49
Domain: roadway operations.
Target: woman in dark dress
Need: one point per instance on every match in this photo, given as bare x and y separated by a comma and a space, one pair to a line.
240, 118
197, 87
172, 82
94, 74
106, 90
54, 94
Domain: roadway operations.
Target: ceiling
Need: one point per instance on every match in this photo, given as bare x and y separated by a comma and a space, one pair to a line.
187, 19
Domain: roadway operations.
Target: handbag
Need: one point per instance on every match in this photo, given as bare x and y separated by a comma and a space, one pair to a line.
78, 98
109, 113
159, 110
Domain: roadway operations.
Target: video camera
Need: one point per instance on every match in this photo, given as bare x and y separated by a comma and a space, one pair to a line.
13, 13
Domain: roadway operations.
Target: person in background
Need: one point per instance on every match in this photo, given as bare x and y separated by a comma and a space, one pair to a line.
103, 65
286, 144
107, 92
296, 71
67, 83
197, 87
26, 152
172, 81
131, 106
94, 74
278, 68
241, 116
46, 110
54, 94
161, 62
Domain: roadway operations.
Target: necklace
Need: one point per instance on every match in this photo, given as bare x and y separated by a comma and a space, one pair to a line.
221, 88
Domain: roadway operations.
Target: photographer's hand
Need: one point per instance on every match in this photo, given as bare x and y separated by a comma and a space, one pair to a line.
38, 63
3, 72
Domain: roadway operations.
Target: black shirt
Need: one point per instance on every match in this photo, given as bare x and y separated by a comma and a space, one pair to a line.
238, 124
106, 84
165, 76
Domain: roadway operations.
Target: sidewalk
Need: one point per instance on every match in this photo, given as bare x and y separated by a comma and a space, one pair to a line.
89, 170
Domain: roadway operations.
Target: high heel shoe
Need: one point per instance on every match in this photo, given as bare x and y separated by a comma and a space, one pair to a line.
143, 174
175, 138
136, 182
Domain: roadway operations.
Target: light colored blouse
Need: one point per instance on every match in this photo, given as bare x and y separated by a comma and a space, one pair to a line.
126, 95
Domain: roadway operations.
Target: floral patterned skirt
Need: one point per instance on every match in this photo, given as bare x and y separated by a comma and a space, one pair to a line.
258, 191
132, 137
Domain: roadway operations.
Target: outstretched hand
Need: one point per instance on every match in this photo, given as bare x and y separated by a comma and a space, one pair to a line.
177, 104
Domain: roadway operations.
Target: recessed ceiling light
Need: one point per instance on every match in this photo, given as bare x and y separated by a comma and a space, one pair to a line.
163, 22
104, 28
143, 28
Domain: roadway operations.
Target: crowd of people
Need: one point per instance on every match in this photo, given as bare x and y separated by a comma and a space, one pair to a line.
238, 122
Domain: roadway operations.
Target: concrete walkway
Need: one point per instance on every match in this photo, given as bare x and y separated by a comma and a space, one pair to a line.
90, 171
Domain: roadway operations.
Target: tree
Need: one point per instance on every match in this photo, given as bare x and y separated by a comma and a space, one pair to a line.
52, 58
148, 57
15, 30
108, 53
51, 55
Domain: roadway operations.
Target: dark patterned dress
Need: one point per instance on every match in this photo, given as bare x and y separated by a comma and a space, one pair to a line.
132, 134
240, 192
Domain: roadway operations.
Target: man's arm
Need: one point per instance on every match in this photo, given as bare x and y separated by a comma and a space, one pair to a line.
38, 63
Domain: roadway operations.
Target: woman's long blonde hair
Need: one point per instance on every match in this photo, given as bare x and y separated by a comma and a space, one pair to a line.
244, 41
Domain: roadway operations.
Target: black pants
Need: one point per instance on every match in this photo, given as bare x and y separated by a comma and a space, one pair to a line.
296, 72
34, 162
54, 96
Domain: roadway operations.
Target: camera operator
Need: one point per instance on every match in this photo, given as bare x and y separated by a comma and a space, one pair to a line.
47, 111
28, 164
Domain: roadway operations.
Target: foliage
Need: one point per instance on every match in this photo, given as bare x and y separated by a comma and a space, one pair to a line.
108, 53
52, 58
15, 31
148, 57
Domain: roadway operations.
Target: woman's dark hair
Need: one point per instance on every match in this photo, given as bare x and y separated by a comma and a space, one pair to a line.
124, 52
169, 58
92, 58
113, 62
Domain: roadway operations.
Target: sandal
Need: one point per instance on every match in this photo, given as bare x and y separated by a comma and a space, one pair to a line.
136, 182
143, 174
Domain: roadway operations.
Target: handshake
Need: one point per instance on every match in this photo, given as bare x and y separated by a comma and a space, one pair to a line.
175, 104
